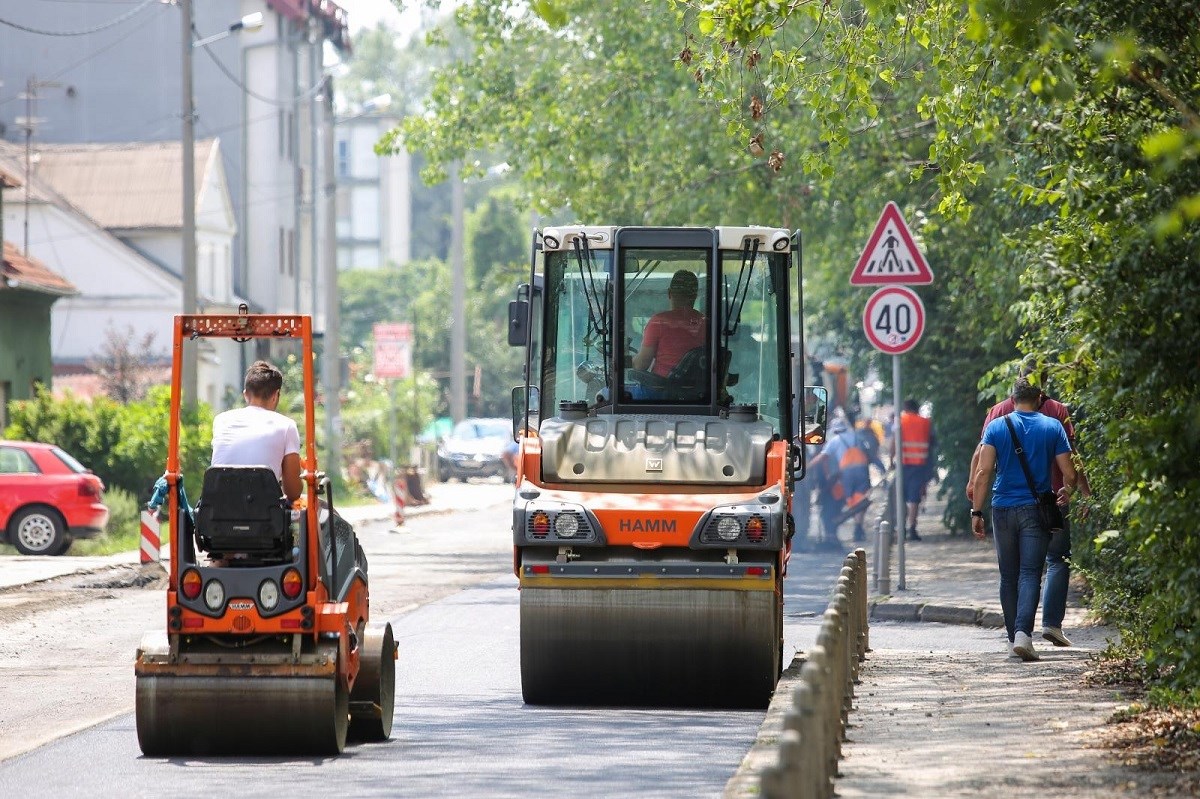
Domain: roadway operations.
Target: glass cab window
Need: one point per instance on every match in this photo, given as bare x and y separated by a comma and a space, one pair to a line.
577, 343
667, 331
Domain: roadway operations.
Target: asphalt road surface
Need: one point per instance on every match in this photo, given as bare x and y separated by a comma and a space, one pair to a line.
461, 729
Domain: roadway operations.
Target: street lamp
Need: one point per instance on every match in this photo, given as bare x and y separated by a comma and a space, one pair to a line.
250, 22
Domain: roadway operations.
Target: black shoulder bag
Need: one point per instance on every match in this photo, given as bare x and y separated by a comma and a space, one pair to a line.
1048, 509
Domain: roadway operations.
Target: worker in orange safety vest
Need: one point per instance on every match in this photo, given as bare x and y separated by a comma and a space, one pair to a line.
918, 448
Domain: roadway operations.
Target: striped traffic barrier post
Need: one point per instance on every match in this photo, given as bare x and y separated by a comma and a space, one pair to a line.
151, 543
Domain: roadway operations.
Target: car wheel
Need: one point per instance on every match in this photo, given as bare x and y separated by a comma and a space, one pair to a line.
39, 531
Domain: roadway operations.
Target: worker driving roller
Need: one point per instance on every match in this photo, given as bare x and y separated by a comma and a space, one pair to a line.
670, 334
257, 435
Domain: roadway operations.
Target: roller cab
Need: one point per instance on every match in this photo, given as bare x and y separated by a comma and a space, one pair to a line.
268, 647
651, 523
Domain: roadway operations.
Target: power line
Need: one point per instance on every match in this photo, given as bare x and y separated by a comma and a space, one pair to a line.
304, 95
97, 29
90, 55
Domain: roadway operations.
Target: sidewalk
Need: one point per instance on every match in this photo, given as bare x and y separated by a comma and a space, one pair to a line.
942, 711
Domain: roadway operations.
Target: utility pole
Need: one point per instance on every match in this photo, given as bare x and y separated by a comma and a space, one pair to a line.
28, 124
331, 363
188, 225
458, 299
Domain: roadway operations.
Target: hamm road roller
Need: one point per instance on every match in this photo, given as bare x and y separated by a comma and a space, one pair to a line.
657, 429
268, 647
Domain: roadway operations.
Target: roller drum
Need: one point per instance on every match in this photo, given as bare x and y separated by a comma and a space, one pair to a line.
372, 702
215, 715
653, 647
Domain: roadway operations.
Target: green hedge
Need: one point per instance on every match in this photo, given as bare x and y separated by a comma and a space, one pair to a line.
125, 444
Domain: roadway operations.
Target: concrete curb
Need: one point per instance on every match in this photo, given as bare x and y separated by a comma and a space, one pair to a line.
880, 610
746, 781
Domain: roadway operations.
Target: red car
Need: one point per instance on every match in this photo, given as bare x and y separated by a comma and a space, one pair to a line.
47, 498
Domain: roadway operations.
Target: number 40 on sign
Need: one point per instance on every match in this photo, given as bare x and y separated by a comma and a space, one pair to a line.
894, 320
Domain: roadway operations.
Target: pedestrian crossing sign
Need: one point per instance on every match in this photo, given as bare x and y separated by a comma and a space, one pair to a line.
891, 256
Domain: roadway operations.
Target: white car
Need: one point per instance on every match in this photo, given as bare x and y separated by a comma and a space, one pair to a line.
475, 448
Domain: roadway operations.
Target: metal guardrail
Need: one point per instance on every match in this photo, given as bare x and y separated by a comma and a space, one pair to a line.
814, 727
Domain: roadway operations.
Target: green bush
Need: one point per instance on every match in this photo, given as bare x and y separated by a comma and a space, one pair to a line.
124, 529
125, 444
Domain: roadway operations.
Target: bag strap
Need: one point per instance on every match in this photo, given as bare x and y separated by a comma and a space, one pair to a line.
1012, 431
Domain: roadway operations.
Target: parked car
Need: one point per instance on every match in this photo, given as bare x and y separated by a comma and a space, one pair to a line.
47, 498
474, 449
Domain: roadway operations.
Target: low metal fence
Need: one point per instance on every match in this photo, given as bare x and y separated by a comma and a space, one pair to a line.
814, 726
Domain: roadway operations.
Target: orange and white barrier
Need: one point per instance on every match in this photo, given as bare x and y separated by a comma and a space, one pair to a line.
151, 543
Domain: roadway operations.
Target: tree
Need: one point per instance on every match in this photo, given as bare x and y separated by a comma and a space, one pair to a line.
125, 364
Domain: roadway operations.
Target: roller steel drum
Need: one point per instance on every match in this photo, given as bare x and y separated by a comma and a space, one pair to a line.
626, 646
239, 703
373, 699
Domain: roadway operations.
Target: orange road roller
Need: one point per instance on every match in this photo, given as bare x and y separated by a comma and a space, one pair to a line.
658, 428
268, 646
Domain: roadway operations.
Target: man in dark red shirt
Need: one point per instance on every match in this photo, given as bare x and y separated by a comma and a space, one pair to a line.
669, 334
1058, 566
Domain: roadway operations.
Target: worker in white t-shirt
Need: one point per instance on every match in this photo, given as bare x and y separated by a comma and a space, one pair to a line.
258, 436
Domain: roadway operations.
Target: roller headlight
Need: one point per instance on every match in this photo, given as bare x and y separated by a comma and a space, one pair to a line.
268, 595
728, 528
566, 525
214, 595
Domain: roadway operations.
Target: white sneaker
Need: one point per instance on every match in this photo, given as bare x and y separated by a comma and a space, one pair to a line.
1023, 647
1055, 636
1008, 647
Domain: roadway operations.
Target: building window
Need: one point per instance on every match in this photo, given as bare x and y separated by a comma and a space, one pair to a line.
343, 159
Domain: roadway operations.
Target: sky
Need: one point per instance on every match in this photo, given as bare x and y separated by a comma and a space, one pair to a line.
366, 13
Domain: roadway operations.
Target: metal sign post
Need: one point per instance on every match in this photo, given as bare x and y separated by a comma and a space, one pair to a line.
900, 530
894, 319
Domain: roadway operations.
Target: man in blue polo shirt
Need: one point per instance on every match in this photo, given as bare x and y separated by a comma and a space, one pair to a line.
1016, 523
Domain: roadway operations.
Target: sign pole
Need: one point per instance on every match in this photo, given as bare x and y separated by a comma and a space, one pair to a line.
901, 509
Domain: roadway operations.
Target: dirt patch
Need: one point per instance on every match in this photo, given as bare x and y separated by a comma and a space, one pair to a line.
1163, 741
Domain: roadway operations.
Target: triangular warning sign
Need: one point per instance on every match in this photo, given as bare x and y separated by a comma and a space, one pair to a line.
891, 256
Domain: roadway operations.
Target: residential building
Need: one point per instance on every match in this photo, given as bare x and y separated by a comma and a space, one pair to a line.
259, 92
374, 208
104, 217
28, 289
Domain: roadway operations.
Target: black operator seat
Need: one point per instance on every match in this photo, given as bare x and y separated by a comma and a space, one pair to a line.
243, 510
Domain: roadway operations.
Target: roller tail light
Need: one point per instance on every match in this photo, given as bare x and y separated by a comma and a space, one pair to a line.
190, 584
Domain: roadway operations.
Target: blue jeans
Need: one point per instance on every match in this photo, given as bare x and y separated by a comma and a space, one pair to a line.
1058, 575
1020, 552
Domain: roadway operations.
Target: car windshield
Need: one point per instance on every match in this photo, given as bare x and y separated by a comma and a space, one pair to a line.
71, 463
473, 429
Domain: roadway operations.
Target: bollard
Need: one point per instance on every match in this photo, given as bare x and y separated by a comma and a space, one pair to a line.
813, 673
864, 642
831, 704
883, 545
802, 702
790, 755
850, 619
151, 542
771, 783
850, 662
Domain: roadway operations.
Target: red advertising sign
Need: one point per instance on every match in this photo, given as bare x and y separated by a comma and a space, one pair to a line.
393, 350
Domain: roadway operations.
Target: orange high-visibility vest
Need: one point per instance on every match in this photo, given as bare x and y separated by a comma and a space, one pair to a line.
915, 431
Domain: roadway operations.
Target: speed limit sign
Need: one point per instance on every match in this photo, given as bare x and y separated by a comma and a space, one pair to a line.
894, 319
